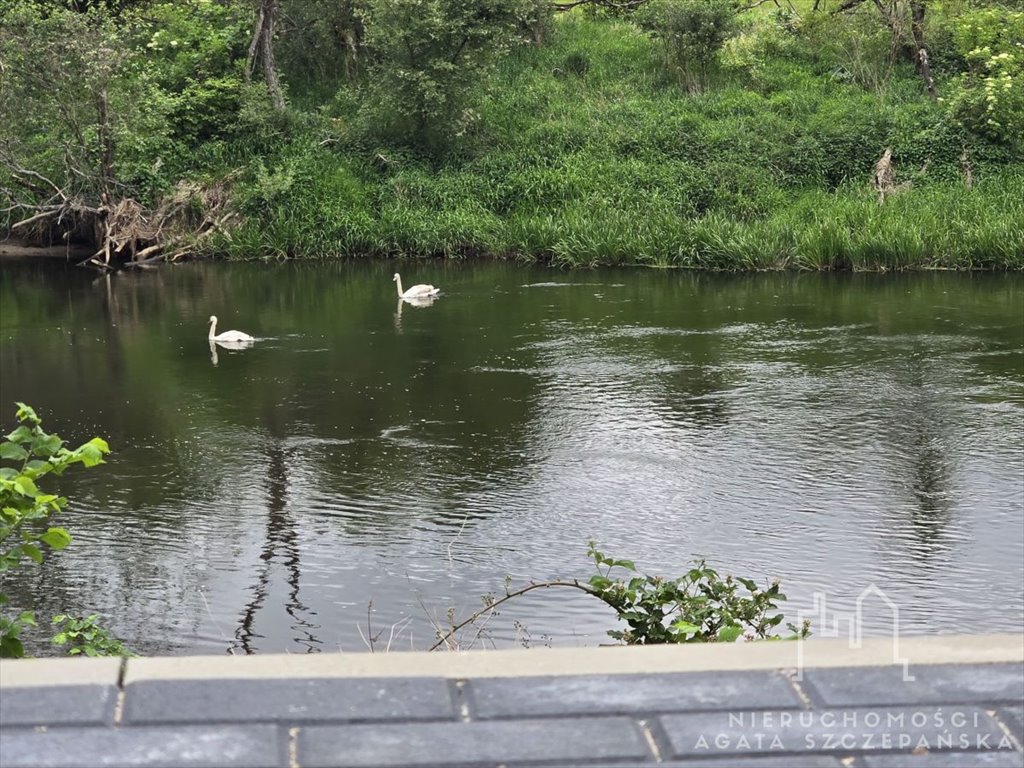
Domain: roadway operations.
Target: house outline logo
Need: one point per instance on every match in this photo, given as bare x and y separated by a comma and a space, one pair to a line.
830, 626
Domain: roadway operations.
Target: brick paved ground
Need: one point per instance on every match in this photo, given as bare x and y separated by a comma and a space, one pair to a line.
949, 715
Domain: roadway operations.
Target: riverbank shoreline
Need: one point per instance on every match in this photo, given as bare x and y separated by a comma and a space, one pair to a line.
17, 250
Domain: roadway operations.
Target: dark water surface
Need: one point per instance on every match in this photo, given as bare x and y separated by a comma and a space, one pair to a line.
833, 431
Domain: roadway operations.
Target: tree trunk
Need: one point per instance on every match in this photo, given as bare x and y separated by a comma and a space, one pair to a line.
106, 144
917, 11
262, 49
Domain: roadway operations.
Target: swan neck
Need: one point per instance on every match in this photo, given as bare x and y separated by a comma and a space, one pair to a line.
398, 285
213, 329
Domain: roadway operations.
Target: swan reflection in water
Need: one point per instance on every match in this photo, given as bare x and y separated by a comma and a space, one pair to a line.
416, 301
235, 345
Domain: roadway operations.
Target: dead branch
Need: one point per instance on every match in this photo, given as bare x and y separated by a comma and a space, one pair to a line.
884, 178
120, 230
966, 169
47, 214
492, 604
926, 73
18, 173
615, 5
847, 5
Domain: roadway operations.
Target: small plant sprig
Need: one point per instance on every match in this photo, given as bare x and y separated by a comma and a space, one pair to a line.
25, 510
87, 637
698, 607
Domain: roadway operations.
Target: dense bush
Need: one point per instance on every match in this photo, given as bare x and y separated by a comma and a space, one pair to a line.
426, 56
989, 97
692, 33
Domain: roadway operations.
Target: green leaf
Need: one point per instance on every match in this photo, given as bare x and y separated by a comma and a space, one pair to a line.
92, 452
27, 617
685, 627
13, 451
60, 638
46, 445
11, 647
600, 582
25, 486
627, 564
730, 633
26, 413
32, 551
57, 538
21, 435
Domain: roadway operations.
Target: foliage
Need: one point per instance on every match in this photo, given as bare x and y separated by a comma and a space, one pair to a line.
697, 607
425, 129
989, 97
78, 105
86, 637
319, 26
195, 52
426, 57
25, 510
692, 33
858, 49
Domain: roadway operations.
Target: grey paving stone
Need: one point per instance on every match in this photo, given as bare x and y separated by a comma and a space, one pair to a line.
1014, 719
629, 694
990, 759
582, 740
252, 746
836, 731
975, 683
288, 701
58, 705
784, 761
941, 684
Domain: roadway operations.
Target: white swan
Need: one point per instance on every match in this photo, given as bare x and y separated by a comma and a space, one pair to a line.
228, 336
420, 291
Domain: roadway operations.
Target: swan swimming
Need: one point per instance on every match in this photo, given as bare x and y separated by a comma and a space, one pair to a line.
227, 335
420, 291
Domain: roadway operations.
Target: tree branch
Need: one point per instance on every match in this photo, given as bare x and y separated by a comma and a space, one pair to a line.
615, 5
508, 596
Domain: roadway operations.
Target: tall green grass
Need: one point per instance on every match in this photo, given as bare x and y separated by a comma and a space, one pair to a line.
587, 153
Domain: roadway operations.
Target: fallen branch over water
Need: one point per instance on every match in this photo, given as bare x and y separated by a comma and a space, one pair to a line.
122, 232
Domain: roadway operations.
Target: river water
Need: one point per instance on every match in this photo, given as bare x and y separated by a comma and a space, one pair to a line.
369, 465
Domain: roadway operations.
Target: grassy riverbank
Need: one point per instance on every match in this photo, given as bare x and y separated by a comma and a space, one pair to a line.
588, 146
587, 153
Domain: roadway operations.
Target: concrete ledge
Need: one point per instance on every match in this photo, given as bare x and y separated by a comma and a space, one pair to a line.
23, 673
618, 660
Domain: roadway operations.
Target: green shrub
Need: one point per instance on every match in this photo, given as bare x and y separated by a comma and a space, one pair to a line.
692, 33
86, 637
426, 57
698, 607
25, 510
989, 97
